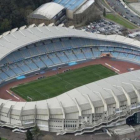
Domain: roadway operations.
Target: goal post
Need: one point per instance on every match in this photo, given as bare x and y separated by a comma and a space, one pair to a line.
29, 98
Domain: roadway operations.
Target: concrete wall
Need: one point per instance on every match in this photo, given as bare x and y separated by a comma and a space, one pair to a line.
87, 15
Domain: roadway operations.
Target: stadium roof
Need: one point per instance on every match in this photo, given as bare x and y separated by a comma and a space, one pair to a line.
17, 38
85, 6
48, 11
70, 4
100, 93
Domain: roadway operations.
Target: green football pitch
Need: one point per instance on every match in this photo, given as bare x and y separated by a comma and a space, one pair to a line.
60, 83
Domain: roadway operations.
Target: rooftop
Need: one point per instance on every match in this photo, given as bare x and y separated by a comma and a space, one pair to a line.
45, 10
70, 4
85, 6
18, 38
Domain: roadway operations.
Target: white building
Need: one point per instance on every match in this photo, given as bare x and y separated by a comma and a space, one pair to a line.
48, 13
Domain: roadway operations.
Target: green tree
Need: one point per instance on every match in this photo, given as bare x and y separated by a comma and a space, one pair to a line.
104, 12
13, 13
29, 135
5, 25
36, 132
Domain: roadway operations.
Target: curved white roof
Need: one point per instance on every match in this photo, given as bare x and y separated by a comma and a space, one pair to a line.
15, 39
48, 10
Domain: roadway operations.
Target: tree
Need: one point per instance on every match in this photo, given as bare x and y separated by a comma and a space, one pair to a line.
104, 12
36, 132
29, 135
14, 14
124, 31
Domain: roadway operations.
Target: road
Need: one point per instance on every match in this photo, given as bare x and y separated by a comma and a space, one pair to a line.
123, 11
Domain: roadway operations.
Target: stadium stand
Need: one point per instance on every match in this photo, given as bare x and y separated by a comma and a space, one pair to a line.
57, 53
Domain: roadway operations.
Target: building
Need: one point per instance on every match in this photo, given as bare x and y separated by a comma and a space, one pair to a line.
77, 10
59, 10
84, 109
133, 120
48, 13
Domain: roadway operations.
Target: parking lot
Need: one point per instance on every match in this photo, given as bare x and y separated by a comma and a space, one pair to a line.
103, 27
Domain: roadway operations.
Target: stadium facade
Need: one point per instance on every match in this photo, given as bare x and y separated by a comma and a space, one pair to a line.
84, 109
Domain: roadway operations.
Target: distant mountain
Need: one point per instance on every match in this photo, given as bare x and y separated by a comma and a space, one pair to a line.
13, 13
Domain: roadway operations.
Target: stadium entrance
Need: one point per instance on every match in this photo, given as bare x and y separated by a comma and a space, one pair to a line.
106, 55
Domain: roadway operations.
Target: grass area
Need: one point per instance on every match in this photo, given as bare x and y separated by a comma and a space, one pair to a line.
3, 139
118, 19
60, 83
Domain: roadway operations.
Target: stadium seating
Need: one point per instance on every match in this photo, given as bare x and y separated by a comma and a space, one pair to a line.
62, 57
23, 67
55, 52
88, 53
79, 54
8, 72
38, 62
3, 76
30, 64
96, 54
46, 60
70, 55
54, 58
137, 58
16, 69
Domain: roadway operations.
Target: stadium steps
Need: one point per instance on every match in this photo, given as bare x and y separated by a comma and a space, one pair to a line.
38, 62
13, 71
32, 62
27, 65
62, 56
23, 67
74, 54
87, 52
66, 56
58, 58
50, 59
83, 53
42, 61
46, 60
19, 68
5, 74
16, 69
92, 53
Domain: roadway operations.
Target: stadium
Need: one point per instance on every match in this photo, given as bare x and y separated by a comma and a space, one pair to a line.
103, 96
